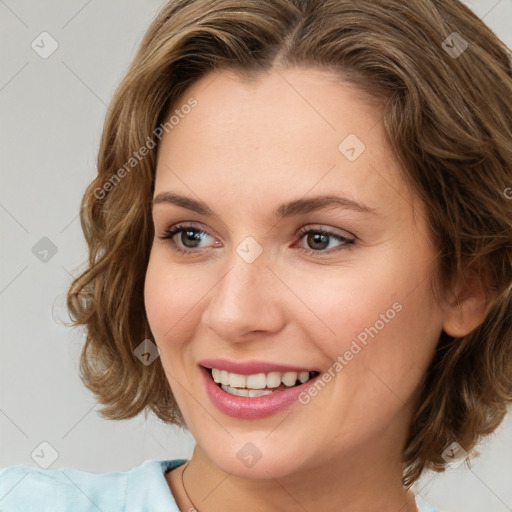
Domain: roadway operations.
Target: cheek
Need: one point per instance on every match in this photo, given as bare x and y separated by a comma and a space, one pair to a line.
171, 298
378, 317
385, 336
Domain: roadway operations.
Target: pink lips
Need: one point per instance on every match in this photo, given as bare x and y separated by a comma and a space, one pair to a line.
251, 367
251, 407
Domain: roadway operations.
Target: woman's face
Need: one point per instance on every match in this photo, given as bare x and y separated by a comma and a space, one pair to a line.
342, 289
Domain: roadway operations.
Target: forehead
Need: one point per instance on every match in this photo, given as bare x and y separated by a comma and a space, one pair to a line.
289, 132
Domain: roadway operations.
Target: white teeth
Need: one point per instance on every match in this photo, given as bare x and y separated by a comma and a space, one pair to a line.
289, 378
235, 380
303, 377
216, 375
246, 392
258, 381
273, 380
224, 376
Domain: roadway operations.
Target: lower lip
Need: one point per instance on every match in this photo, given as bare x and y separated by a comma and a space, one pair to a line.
252, 407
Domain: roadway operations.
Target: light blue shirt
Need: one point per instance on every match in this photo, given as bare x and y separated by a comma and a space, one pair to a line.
141, 489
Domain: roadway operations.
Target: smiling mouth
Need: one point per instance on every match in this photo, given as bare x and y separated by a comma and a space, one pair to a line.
258, 384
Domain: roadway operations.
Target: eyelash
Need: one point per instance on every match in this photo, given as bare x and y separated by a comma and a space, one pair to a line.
171, 232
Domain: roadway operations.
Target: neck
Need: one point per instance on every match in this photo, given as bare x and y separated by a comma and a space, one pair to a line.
357, 483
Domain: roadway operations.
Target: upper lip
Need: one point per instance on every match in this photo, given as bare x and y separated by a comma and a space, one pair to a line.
251, 367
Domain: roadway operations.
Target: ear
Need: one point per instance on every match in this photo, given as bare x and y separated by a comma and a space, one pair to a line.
467, 307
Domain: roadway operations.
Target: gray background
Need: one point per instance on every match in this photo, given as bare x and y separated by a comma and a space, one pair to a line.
51, 113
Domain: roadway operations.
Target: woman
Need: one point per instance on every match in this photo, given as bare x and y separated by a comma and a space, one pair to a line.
299, 245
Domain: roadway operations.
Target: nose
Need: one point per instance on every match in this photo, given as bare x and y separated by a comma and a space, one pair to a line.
247, 301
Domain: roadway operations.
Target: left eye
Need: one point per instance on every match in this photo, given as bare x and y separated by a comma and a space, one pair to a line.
192, 236
316, 237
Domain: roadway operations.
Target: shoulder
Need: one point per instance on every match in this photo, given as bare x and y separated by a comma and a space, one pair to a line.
423, 506
140, 489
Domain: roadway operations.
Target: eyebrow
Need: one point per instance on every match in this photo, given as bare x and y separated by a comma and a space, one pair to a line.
296, 207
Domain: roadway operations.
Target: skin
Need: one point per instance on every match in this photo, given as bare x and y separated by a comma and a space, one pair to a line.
244, 149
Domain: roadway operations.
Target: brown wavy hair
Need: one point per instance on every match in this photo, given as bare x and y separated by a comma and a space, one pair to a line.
448, 120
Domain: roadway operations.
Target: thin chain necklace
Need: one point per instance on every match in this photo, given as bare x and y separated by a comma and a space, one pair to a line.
192, 503
183, 484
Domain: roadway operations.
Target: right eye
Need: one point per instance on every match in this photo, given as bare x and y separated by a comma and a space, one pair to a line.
187, 235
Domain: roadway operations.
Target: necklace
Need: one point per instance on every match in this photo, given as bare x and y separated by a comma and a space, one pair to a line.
186, 493
194, 508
